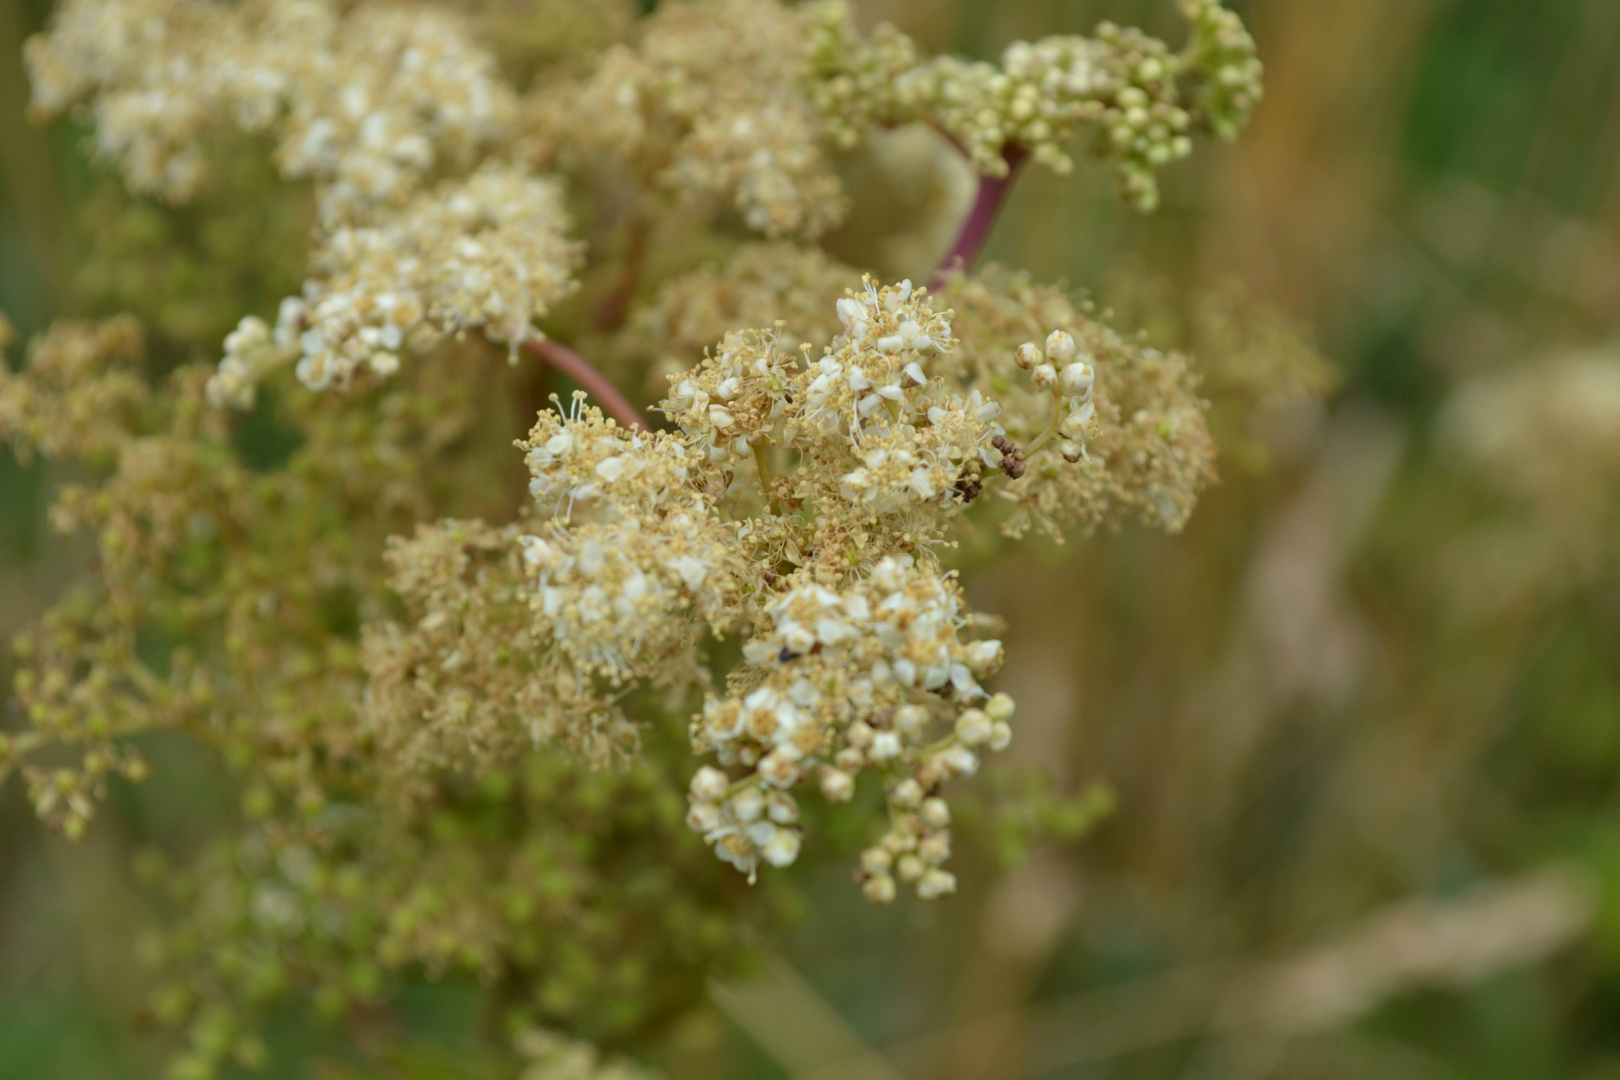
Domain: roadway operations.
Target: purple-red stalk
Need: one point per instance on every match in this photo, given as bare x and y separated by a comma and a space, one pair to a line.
987, 206
593, 382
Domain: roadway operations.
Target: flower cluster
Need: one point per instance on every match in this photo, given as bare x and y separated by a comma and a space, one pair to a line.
1142, 100
82, 381
486, 252
711, 103
834, 683
364, 103
1146, 447
858, 643
748, 99
369, 105
459, 688
633, 560
760, 284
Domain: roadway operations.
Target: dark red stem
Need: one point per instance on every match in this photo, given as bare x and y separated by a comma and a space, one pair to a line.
987, 206
611, 313
593, 382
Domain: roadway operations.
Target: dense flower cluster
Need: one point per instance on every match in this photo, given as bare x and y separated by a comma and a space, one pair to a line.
486, 252
747, 98
365, 103
477, 701
1142, 100
710, 103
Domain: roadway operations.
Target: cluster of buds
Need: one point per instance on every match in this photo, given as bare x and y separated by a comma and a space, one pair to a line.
67, 797
1142, 100
918, 841
1069, 377
252, 351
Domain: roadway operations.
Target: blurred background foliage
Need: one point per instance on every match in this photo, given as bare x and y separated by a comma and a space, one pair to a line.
1349, 719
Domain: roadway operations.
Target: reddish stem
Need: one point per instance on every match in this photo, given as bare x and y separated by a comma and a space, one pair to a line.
611, 313
987, 206
579, 369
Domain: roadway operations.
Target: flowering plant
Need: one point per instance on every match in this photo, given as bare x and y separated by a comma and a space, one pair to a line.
463, 715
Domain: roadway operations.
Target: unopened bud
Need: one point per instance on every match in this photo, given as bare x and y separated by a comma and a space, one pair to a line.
709, 784
973, 727
879, 889
936, 883
906, 794
1077, 380
837, 785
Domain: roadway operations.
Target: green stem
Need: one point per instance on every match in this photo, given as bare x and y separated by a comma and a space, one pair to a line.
1051, 429
762, 459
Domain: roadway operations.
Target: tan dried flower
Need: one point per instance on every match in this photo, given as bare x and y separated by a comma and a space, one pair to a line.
711, 103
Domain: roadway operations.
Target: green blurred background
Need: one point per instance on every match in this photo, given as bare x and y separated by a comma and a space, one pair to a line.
1364, 680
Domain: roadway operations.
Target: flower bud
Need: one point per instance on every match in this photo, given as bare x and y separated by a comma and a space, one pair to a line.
910, 867
780, 767
703, 817
936, 883
960, 761
709, 784
836, 784
1000, 736
879, 889
1072, 452
1060, 347
781, 808
1000, 707
747, 804
907, 793
850, 759
1044, 376
984, 657
876, 860
910, 719
1077, 380
935, 849
935, 813
973, 727
885, 746
782, 848
860, 734
1028, 355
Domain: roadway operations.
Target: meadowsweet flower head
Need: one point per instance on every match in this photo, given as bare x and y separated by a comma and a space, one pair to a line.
711, 103
462, 685
365, 103
488, 252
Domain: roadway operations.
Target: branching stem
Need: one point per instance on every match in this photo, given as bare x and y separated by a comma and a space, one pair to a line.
579, 369
987, 204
